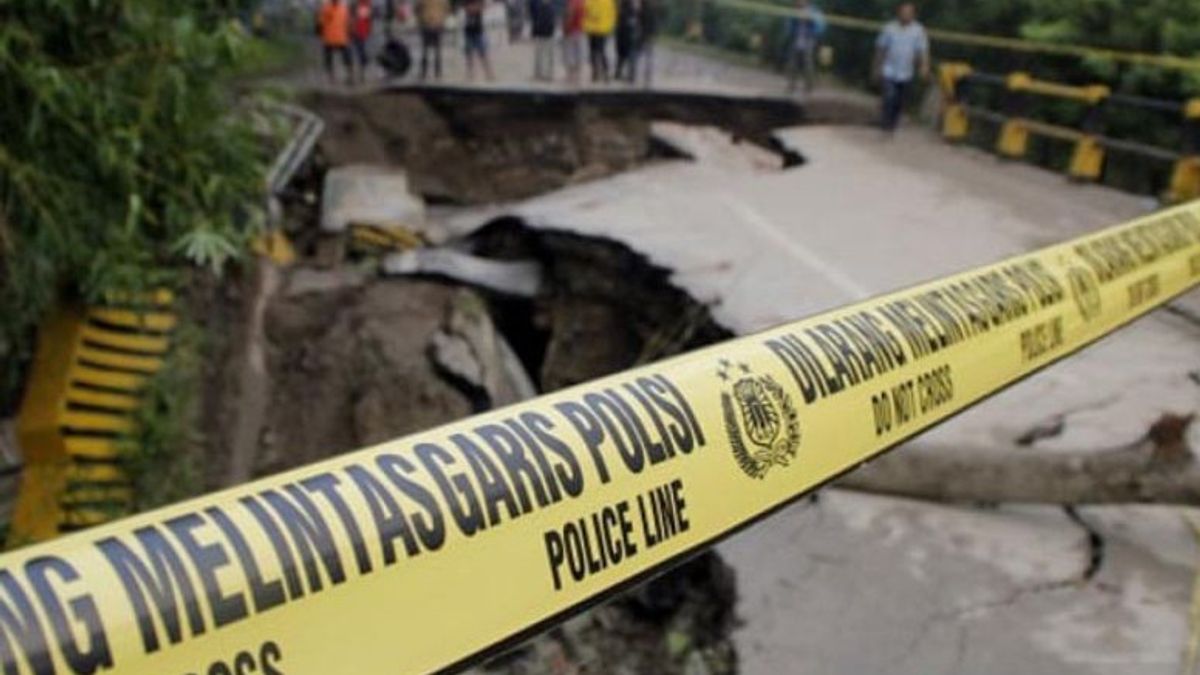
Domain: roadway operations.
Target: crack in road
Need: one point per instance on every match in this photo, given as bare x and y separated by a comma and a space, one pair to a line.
1183, 313
1056, 424
1096, 556
1096, 544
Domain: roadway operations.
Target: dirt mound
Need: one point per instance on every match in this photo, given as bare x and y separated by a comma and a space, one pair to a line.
482, 153
349, 368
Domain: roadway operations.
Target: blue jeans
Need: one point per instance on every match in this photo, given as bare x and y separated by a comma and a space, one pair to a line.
894, 94
476, 43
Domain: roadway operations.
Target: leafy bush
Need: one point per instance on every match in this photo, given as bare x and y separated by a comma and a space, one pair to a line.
120, 152
159, 455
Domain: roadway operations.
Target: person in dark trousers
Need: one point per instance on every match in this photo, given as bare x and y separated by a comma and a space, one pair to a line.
362, 19
544, 25
333, 25
475, 36
804, 31
514, 12
645, 48
599, 21
628, 36
431, 17
901, 53
573, 40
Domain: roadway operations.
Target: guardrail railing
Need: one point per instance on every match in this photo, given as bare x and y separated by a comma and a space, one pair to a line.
956, 81
84, 388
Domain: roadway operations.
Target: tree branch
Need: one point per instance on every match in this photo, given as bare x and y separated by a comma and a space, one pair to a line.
1159, 469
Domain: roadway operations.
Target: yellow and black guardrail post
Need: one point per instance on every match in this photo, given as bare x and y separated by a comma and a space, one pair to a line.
1087, 159
374, 239
433, 551
952, 78
1185, 178
84, 388
1013, 141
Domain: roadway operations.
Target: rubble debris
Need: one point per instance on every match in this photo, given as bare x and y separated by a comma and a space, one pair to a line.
519, 278
472, 351
477, 147
369, 195
349, 368
715, 147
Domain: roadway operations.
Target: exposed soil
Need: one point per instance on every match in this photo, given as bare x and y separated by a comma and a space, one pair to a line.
470, 147
349, 365
348, 368
348, 359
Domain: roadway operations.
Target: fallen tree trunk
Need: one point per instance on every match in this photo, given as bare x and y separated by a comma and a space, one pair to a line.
1159, 469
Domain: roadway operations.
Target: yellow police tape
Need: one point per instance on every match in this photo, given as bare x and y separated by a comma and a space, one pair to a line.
429, 551
1166, 61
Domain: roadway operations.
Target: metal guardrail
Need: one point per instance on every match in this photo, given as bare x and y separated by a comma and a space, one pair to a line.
1165, 61
84, 388
1091, 144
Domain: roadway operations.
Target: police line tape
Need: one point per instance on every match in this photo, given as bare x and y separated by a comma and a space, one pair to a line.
1166, 61
432, 551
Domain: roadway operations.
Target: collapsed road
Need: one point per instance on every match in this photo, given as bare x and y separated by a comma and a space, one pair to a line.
667, 236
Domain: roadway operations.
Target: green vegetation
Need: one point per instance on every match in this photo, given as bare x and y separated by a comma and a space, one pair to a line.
1151, 26
122, 153
158, 456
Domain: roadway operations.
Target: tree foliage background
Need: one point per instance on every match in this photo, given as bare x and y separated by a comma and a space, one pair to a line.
1153, 26
120, 154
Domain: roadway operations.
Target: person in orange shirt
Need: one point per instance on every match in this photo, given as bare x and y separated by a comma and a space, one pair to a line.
333, 24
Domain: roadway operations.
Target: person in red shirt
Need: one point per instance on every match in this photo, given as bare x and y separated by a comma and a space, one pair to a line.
573, 39
333, 25
362, 18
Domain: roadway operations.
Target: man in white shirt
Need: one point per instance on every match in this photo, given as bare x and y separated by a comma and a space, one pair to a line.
901, 53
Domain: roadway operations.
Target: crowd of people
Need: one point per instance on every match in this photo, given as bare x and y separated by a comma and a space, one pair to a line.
601, 29
617, 36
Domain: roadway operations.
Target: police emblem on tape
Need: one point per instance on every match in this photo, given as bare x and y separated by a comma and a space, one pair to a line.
762, 423
1086, 292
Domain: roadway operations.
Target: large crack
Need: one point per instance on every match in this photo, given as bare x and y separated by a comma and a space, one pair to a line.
1095, 561
1097, 545
1184, 313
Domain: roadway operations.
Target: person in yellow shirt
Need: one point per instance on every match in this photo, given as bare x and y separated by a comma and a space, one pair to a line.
333, 25
431, 17
599, 22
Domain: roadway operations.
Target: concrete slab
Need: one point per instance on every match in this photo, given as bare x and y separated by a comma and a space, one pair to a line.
866, 216
860, 584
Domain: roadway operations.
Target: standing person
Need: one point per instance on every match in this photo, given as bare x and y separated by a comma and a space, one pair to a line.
628, 35
475, 36
333, 23
573, 39
901, 53
804, 31
645, 48
514, 12
599, 21
431, 17
360, 34
544, 22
